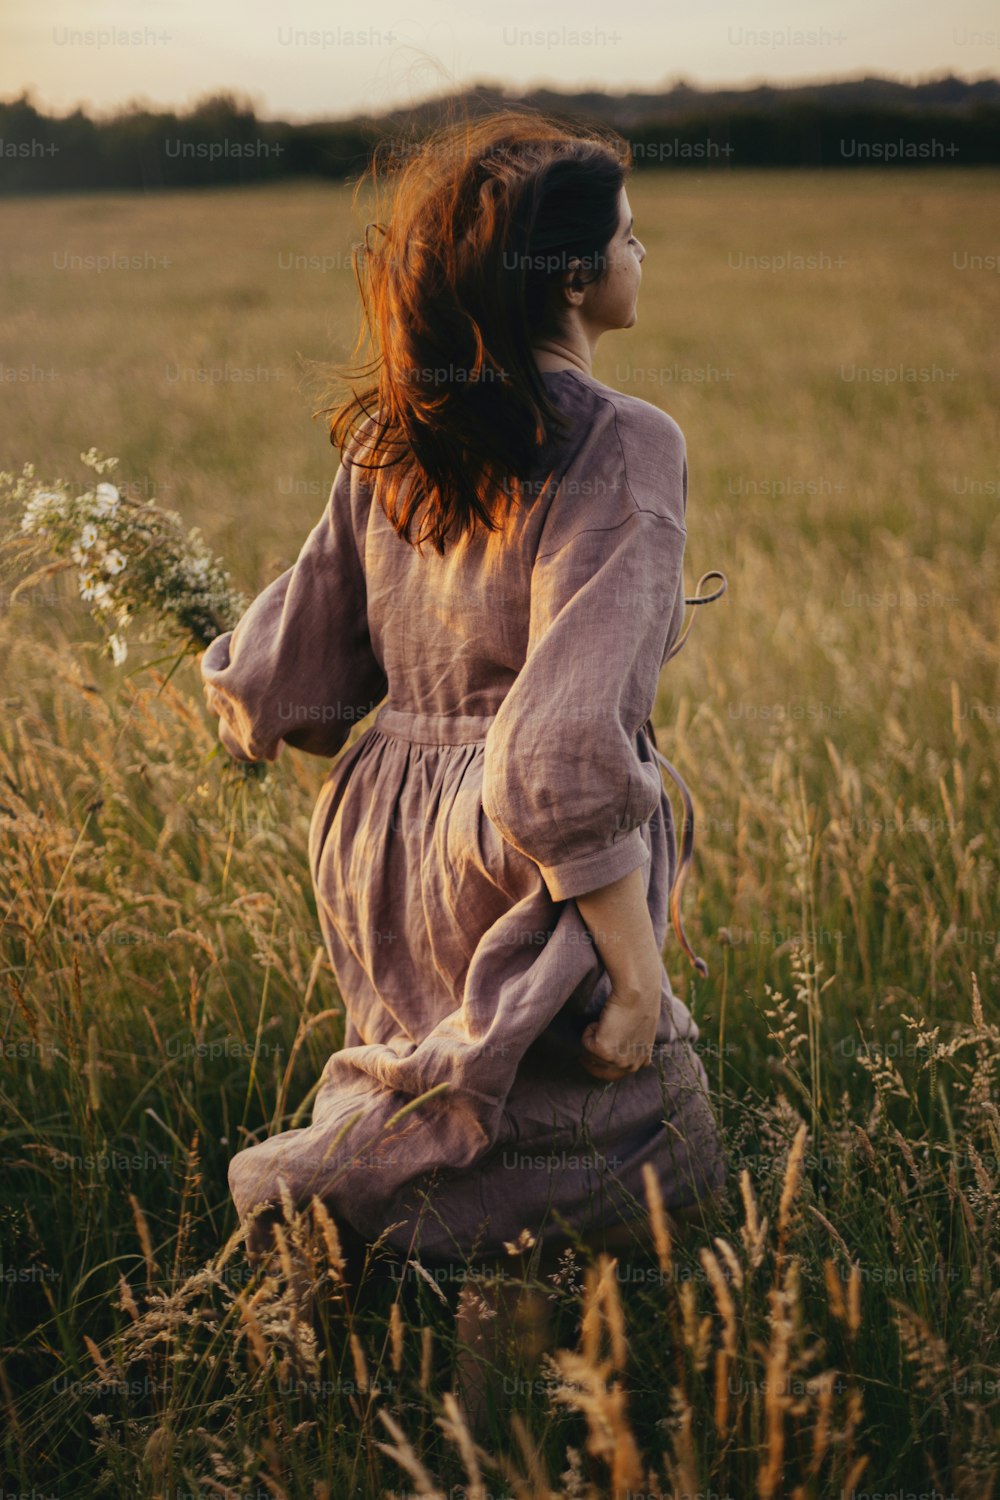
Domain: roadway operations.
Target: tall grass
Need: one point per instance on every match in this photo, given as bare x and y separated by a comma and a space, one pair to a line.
833, 1329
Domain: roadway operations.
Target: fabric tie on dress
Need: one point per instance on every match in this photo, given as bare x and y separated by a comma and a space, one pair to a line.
687, 836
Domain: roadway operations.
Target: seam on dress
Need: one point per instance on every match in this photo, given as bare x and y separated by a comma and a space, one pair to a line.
614, 412
640, 510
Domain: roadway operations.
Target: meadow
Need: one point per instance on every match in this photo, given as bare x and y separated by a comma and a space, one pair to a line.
827, 342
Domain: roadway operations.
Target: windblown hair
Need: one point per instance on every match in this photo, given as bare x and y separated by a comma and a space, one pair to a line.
457, 281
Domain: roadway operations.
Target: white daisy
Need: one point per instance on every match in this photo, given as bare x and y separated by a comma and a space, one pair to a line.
119, 650
88, 536
114, 561
106, 499
93, 588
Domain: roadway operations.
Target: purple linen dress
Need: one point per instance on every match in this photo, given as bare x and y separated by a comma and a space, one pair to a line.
511, 768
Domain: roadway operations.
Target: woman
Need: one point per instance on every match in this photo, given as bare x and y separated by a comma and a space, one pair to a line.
493, 857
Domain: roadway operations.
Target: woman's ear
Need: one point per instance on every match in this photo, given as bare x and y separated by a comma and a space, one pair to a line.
571, 279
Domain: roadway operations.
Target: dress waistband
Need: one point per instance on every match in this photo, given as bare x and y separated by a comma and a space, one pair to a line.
433, 729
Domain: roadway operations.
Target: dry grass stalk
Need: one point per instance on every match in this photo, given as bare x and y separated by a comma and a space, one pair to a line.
855, 1466
27, 1014
753, 1231
534, 1464
731, 1259
793, 1176
396, 1336
726, 1354
426, 1357
831, 1230
360, 1363
590, 1324
658, 1221
455, 1428
770, 1474
337, 1263
834, 1294
697, 1332
126, 1300
607, 1294
295, 1277
823, 1421
584, 1386
584, 1382
865, 1142
663, 1243
627, 1469
145, 1239
682, 1464
258, 1343
404, 1455
192, 1178
926, 1351
98, 1358
93, 1068
854, 1299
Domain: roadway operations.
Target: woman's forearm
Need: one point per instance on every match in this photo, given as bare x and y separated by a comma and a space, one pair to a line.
622, 929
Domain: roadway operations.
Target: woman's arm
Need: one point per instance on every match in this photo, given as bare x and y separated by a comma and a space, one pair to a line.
618, 918
622, 929
299, 667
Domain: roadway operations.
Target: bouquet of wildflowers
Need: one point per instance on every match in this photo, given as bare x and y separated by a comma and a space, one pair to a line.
134, 559
132, 556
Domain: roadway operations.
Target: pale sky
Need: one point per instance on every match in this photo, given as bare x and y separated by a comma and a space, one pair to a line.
315, 59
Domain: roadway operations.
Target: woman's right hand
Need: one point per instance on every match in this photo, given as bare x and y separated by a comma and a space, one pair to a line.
620, 1041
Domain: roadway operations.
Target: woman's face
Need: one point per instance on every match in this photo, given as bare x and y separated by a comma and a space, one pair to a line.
612, 303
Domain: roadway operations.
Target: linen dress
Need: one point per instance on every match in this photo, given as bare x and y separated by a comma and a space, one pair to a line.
510, 768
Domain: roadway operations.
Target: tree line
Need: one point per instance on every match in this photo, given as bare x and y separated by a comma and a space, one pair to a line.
221, 140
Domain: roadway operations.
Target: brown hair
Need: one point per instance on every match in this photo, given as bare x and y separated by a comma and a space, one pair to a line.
456, 283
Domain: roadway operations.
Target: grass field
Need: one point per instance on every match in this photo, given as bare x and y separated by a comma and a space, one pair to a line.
836, 1330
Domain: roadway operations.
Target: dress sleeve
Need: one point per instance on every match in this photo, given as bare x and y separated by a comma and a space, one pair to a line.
298, 668
562, 779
